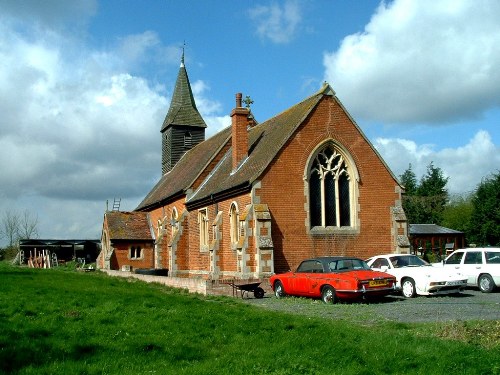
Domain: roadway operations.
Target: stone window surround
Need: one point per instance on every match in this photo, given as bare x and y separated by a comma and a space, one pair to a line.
353, 190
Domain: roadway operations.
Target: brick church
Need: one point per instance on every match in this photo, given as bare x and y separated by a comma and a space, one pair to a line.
257, 198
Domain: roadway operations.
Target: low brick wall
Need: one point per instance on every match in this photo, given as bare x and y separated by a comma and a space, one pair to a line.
192, 285
205, 287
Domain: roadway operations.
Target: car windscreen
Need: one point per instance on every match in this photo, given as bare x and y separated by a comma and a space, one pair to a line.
455, 258
407, 261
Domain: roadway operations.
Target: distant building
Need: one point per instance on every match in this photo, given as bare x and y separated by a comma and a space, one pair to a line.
255, 199
433, 237
65, 250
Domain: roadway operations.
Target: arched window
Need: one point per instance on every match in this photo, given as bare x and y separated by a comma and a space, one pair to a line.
332, 184
234, 223
160, 228
203, 224
174, 220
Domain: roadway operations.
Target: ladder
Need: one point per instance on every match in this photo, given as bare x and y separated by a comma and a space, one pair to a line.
54, 260
116, 204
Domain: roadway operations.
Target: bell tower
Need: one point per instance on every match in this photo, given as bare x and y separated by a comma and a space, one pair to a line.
183, 127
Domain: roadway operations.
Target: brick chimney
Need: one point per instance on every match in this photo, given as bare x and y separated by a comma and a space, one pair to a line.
239, 123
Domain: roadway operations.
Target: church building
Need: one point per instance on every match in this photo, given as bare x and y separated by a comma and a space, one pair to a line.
258, 198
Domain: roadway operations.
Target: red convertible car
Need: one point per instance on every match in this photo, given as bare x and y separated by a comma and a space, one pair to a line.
333, 278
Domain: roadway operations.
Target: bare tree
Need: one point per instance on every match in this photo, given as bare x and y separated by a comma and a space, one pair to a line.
28, 226
10, 227
14, 226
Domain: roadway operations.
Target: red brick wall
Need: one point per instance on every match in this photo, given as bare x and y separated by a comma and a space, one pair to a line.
164, 214
122, 256
292, 240
227, 255
283, 191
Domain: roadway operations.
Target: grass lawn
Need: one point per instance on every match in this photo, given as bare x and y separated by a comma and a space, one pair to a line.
64, 322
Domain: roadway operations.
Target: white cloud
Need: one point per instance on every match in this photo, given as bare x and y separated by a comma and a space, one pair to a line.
465, 166
421, 62
74, 126
277, 23
77, 126
209, 109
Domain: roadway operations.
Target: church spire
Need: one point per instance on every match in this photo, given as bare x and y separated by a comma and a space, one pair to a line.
183, 126
182, 58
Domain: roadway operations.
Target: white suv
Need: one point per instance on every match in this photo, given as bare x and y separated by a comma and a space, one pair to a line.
480, 265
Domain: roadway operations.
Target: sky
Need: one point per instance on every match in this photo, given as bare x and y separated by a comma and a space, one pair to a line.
85, 86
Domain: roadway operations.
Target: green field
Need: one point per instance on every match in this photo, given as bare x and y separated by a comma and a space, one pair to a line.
66, 322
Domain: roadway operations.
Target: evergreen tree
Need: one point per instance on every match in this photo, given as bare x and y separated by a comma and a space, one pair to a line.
485, 218
424, 202
433, 195
409, 181
409, 199
457, 213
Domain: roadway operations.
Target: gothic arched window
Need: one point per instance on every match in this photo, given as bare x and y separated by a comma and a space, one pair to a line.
331, 189
234, 223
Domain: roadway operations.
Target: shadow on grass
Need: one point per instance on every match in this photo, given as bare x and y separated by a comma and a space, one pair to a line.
34, 348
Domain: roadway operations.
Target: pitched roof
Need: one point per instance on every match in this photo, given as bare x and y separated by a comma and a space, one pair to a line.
183, 109
187, 169
265, 141
128, 225
431, 229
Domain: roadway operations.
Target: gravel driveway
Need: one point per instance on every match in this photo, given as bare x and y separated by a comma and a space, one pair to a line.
469, 305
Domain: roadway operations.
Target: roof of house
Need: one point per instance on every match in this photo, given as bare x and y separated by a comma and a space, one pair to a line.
183, 109
416, 229
128, 225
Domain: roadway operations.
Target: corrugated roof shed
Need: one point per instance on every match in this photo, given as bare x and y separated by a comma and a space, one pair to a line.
418, 229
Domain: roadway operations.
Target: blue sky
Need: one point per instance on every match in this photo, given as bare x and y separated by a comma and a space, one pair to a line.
85, 86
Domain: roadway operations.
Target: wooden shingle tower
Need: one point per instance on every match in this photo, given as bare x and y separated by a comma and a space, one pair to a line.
183, 127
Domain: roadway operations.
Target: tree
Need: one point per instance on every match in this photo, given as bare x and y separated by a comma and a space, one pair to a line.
28, 226
457, 213
409, 181
409, 199
424, 202
14, 226
435, 196
10, 227
485, 218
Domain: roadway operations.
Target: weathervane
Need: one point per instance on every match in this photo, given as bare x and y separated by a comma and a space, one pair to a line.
183, 48
248, 101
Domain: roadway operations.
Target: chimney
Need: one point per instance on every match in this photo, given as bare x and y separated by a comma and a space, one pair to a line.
239, 123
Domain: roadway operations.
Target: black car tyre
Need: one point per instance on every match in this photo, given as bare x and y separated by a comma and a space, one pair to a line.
279, 291
408, 288
486, 283
328, 294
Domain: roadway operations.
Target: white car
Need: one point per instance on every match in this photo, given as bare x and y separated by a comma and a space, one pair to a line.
415, 276
481, 266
